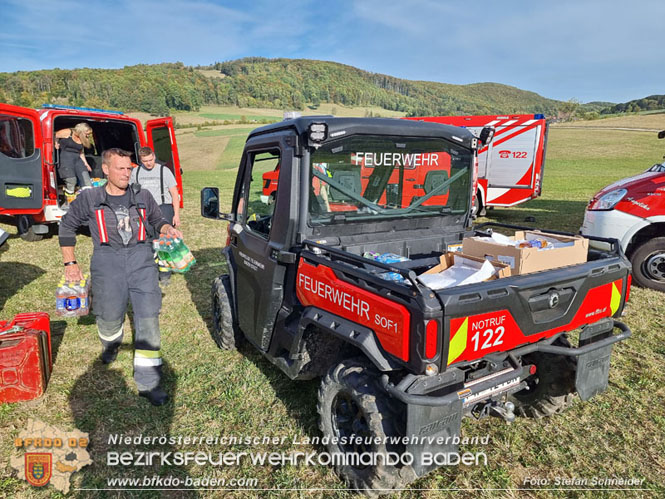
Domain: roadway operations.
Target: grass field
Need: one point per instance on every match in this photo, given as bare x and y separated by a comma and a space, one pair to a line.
221, 113
618, 434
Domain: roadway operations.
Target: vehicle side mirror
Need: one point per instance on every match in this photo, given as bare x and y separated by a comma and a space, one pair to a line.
486, 135
661, 134
210, 204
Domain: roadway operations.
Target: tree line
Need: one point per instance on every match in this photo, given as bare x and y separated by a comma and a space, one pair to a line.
289, 84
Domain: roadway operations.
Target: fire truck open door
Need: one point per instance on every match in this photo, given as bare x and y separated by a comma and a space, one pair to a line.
161, 137
21, 172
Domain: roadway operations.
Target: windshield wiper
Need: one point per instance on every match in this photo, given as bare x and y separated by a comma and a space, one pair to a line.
346, 191
434, 192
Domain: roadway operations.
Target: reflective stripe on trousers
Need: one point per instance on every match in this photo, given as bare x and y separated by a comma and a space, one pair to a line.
147, 356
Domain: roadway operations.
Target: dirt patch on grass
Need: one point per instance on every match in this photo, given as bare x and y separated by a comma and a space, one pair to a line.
200, 153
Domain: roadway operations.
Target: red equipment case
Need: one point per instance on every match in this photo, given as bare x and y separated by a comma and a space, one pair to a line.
25, 357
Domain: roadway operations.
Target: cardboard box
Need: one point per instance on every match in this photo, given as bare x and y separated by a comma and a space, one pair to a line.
527, 260
447, 260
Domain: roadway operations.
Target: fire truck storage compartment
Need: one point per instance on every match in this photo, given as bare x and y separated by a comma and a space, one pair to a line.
106, 134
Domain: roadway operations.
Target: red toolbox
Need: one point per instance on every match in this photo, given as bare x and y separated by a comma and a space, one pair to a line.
25, 357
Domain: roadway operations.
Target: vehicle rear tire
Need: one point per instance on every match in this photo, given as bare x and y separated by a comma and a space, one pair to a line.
351, 402
25, 229
552, 389
648, 262
225, 330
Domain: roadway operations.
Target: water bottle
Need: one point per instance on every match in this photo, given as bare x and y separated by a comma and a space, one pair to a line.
62, 296
83, 292
387, 258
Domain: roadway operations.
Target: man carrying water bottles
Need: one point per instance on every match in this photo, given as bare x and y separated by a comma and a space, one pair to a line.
122, 266
161, 183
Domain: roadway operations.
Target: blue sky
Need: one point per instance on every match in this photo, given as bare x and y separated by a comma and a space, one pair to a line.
587, 50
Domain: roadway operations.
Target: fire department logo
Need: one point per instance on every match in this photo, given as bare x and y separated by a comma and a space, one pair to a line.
38, 468
46, 455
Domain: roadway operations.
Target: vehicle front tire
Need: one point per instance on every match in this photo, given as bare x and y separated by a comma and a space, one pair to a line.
478, 207
551, 390
225, 331
648, 262
351, 402
25, 229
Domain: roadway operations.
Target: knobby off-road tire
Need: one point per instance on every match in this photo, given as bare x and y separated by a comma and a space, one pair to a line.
351, 402
648, 262
552, 388
225, 331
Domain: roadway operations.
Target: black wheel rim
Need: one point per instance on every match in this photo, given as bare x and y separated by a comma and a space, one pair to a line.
349, 422
654, 266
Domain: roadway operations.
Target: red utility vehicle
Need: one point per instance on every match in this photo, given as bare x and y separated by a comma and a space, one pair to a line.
29, 184
401, 362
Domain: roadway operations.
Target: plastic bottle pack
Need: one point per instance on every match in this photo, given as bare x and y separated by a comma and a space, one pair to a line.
72, 299
387, 258
173, 253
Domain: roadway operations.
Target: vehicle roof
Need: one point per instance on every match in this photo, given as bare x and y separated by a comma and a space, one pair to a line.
338, 127
87, 112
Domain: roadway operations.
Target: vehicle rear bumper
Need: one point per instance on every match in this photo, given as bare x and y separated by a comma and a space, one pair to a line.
599, 338
53, 213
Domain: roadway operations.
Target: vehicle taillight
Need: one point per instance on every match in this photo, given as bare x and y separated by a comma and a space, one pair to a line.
228, 234
474, 183
52, 189
630, 281
431, 338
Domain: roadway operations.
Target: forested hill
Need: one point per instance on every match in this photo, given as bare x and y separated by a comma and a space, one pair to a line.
650, 103
258, 82
301, 81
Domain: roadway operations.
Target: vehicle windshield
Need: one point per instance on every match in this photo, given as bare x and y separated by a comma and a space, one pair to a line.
374, 177
658, 167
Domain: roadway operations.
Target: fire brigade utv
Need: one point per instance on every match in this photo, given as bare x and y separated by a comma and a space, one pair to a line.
30, 189
401, 363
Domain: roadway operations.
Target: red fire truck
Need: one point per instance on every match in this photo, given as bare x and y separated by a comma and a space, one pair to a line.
29, 184
510, 168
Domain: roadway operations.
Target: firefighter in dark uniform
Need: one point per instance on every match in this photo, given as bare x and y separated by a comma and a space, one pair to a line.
122, 266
